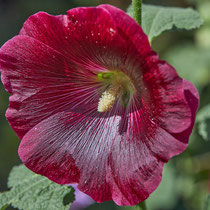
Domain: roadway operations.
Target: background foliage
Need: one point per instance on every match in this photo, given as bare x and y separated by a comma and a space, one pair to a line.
186, 178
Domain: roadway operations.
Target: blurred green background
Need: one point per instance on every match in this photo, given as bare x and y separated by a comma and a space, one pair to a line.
186, 178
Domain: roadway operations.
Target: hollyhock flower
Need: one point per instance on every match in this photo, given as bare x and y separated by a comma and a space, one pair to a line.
93, 104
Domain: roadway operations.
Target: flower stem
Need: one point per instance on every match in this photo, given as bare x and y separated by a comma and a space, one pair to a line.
137, 10
142, 206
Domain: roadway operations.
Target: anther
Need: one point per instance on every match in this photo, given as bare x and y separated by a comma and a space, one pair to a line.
108, 98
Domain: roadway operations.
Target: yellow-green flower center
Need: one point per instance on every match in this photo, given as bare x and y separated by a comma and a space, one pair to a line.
117, 85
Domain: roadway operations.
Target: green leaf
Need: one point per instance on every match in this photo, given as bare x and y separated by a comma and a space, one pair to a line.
157, 19
207, 203
203, 119
30, 191
4, 200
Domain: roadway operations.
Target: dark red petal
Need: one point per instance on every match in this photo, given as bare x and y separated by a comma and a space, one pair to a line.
91, 41
112, 162
47, 29
38, 78
162, 141
165, 98
133, 172
192, 97
130, 30
70, 147
44, 151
